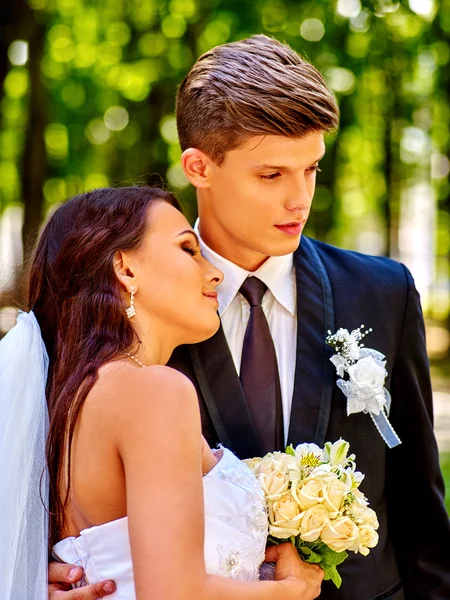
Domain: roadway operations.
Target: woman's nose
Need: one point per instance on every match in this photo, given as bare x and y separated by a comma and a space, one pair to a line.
213, 274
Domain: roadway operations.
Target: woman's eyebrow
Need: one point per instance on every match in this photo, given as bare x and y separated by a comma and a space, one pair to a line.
191, 232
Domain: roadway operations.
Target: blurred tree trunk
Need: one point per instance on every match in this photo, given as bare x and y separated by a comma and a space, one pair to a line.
6, 21
393, 167
388, 174
34, 158
19, 22
11, 28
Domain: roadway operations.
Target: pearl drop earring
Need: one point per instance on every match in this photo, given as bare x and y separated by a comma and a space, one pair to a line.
131, 311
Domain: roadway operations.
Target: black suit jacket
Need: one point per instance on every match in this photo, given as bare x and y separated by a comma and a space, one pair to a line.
338, 288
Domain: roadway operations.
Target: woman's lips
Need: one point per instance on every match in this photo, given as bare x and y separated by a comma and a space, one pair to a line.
291, 228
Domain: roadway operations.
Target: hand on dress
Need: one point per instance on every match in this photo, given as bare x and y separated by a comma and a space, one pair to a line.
303, 580
60, 578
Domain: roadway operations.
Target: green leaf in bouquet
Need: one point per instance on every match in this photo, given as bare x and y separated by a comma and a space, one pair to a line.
334, 576
290, 450
273, 541
331, 573
309, 555
333, 558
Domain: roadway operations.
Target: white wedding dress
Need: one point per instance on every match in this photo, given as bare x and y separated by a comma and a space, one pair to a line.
235, 533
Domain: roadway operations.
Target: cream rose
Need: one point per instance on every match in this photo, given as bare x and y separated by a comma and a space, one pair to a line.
360, 497
356, 511
312, 523
284, 517
334, 493
269, 464
368, 538
368, 376
253, 464
308, 492
369, 517
340, 534
274, 484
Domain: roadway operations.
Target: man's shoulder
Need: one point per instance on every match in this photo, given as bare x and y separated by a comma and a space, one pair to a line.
356, 265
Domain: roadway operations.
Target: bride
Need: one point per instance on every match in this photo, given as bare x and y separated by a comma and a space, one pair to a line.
136, 495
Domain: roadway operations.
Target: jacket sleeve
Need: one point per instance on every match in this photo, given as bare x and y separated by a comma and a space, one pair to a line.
417, 518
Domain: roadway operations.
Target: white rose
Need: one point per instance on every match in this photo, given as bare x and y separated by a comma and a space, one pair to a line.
312, 523
368, 376
359, 497
308, 492
269, 464
367, 538
289, 464
253, 464
340, 534
360, 512
356, 511
284, 517
274, 484
333, 494
370, 518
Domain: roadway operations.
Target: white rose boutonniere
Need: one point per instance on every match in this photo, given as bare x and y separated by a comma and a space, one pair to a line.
364, 387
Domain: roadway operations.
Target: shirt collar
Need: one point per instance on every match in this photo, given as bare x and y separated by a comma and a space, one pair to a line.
277, 272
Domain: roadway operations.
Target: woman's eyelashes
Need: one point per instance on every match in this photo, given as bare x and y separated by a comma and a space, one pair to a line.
190, 248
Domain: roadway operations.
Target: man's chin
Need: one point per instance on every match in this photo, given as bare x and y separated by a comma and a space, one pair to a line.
284, 247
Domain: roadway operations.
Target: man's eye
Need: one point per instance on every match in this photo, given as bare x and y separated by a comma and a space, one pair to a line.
315, 169
271, 177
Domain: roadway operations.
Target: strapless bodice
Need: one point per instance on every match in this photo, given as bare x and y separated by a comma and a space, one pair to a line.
235, 533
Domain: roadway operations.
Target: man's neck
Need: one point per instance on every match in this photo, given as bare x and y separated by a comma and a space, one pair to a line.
250, 260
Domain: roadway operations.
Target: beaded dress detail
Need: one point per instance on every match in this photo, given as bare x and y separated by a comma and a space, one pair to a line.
235, 533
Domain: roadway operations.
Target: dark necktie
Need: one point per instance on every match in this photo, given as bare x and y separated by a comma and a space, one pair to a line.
259, 370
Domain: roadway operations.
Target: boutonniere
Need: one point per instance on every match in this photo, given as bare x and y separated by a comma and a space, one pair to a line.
362, 374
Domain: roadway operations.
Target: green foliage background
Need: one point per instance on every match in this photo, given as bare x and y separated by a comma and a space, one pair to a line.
92, 104
387, 64
87, 91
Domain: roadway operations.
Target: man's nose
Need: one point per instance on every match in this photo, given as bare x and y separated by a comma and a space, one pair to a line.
299, 197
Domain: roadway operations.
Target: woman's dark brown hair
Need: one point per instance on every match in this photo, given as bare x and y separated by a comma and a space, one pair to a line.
79, 304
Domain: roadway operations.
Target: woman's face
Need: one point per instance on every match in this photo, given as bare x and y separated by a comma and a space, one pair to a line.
175, 284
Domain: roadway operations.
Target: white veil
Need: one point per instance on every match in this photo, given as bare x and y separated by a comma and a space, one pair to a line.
24, 479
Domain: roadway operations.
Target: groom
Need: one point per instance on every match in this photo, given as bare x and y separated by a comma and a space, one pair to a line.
251, 118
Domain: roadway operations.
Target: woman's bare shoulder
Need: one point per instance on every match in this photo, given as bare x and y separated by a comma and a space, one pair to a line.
123, 387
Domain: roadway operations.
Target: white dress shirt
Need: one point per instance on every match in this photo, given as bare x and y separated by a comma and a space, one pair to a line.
279, 305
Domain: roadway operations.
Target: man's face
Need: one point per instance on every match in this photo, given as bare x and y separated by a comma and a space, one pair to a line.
256, 203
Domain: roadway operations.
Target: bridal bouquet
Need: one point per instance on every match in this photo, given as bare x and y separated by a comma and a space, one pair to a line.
313, 499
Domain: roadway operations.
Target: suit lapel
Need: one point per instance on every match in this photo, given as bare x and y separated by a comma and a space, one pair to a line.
222, 392
314, 373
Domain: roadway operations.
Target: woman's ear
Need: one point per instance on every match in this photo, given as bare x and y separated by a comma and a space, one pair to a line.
124, 271
196, 166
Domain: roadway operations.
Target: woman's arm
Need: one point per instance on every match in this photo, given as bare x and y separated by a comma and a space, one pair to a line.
154, 421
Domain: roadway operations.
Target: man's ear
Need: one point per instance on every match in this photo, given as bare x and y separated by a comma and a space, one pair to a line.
196, 166
124, 271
